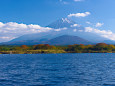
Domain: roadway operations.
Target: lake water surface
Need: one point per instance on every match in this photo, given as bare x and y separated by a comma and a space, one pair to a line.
57, 70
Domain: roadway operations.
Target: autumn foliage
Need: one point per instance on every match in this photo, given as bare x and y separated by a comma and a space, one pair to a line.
76, 48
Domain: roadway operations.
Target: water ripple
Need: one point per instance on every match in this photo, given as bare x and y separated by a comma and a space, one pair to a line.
57, 70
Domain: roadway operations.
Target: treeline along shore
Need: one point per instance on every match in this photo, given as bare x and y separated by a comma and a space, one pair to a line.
46, 48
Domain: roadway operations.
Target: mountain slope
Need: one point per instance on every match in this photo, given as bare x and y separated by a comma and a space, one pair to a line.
109, 41
72, 28
61, 23
61, 40
67, 40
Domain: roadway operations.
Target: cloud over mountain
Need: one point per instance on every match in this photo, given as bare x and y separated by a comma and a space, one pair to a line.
12, 30
99, 24
104, 33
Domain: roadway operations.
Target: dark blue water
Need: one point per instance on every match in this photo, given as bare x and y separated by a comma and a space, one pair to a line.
57, 70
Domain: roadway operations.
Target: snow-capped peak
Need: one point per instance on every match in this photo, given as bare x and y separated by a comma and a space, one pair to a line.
61, 23
66, 20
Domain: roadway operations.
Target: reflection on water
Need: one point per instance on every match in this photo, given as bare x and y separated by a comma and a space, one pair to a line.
57, 70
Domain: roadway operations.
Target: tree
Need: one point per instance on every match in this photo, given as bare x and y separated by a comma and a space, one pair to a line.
24, 47
100, 46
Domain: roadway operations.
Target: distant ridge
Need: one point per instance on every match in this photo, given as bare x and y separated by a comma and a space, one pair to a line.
68, 40
61, 40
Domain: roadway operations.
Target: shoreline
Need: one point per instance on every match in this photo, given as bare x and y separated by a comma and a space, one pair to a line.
46, 48
50, 52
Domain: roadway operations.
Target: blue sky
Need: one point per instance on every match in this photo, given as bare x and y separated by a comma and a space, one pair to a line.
44, 12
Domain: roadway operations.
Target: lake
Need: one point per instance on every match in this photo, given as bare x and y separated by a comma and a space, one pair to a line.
57, 69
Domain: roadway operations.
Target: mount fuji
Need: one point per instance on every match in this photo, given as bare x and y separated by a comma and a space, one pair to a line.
61, 23
62, 27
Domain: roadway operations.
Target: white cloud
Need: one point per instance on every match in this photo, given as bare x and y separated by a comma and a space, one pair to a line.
60, 29
99, 24
80, 30
104, 33
88, 22
75, 25
1, 24
64, 28
57, 30
74, 30
79, 14
88, 29
78, 0
12, 30
5, 38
